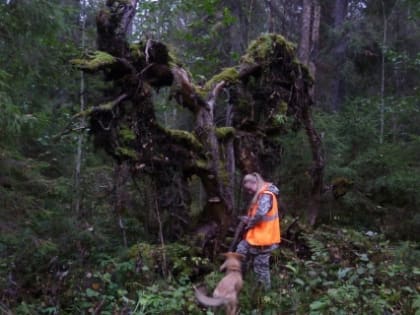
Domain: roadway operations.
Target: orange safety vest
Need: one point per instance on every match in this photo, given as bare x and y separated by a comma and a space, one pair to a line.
267, 231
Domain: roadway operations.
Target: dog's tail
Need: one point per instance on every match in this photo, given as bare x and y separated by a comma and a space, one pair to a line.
208, 301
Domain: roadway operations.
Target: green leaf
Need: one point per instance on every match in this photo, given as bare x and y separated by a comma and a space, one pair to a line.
91, 293
341, 273
299, 282
290, 267
319, 305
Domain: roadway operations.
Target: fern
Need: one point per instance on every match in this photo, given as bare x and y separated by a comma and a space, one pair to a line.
318, 248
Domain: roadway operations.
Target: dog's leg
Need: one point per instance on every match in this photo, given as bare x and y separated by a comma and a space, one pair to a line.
231, 308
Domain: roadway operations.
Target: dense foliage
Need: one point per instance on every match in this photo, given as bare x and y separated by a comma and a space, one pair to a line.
362, 256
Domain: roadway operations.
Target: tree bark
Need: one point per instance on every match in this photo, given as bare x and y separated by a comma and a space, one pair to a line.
308, 50
305, 32
382, 93
79, 150
317, 169
316, 21
121, 175
270, 9
337, 84
238, 33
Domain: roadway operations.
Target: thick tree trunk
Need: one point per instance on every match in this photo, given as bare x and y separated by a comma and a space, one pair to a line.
308, 50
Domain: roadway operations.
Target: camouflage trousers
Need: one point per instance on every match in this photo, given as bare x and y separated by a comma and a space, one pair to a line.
261, 260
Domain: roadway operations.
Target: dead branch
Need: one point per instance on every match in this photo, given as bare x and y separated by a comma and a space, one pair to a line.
103, 107
214, 94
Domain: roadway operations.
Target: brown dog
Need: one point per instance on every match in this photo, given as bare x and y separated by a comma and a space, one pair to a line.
227, 290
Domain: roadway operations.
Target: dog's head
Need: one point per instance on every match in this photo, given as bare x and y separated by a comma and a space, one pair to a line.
232, 262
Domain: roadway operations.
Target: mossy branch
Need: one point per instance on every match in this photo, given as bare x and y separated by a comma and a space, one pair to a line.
228, 75
103, 107
183, 136
95, 61
224, 133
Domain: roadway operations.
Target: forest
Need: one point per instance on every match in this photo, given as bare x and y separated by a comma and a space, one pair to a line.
127, 127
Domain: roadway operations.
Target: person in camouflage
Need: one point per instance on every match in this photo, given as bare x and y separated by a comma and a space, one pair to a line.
262, 226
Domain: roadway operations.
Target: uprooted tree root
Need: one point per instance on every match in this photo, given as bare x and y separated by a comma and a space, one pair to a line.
268, 93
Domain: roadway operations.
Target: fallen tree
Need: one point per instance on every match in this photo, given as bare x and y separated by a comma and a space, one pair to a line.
268, 87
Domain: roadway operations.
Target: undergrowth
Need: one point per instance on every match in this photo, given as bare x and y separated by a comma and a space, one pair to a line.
338, 271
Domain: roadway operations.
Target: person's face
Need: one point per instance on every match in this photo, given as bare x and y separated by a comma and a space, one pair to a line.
250, 187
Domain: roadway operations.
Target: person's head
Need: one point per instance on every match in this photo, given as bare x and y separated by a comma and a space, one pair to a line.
252, 183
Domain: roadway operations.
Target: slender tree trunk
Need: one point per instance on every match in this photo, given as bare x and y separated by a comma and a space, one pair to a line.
230, 157
337, 83
305, 32
270, 9
236, 32
382, 105
318, 163
161, 237
79, 150
248, 21
316, 21
121, 174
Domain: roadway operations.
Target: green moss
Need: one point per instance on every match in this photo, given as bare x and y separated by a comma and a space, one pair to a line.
306, 74
283, 107
264, 46
279, 120
127, 152
127, 134
224, 132
223, 174
201, 164
136, 50
173, 59
94, 61
183, 136
228, 75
